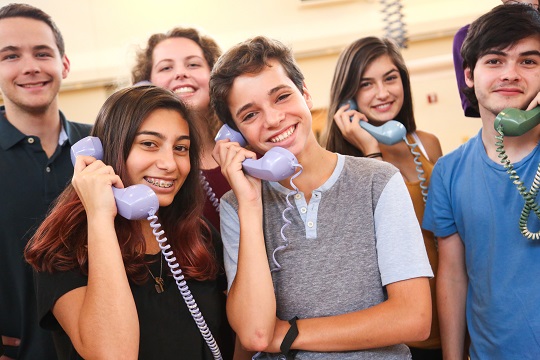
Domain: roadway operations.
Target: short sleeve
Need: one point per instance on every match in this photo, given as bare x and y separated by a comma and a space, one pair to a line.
400, 246
230, 235
49, 288
438, 215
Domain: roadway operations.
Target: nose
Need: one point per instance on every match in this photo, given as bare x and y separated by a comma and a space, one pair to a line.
511, 73
165, 161
382, 92
181, 72
274, 117
31, 66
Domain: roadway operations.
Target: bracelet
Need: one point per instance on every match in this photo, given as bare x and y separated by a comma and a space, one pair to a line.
374, 155
289, 338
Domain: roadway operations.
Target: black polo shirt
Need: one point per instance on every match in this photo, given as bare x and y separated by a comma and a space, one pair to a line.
29, 183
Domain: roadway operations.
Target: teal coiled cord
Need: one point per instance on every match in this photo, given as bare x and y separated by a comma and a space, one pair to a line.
528, 196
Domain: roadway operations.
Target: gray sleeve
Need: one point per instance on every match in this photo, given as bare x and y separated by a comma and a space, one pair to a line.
400, 246
230, 235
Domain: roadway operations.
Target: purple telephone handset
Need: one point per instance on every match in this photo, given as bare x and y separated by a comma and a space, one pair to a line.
276, 165
135, 202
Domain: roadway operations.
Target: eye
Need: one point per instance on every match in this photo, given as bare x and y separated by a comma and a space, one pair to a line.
283, 97
148, 144
10, 57
194, 65
248, 116
181, 148
164, 68
492, 61
529, 62
364, 84
43, 55
391, 78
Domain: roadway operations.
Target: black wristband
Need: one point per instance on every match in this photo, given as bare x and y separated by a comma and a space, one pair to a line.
374, 155
289, 338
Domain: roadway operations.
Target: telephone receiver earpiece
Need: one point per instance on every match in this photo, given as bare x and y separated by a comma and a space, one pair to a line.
516, 122
276, 165
135, 202
389, 133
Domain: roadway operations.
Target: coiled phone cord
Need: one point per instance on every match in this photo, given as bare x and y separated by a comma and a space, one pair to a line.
420, 173
209, 192
419, 168
393, 18
289, 207
528, 196
183, 287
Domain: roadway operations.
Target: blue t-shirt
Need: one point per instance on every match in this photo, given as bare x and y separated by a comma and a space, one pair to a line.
472, 195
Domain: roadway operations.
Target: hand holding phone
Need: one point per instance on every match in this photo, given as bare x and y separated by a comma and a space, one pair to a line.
134, 202
389, 133
276, 165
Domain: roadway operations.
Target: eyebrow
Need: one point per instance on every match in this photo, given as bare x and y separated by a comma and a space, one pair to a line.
15, 48
270, 93
502, 53
161, 136
385, 74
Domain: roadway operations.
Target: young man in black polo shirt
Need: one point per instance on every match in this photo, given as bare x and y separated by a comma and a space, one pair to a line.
35, 141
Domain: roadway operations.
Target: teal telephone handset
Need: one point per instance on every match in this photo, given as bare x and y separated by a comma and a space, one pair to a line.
138, 202
391, 133
516, 122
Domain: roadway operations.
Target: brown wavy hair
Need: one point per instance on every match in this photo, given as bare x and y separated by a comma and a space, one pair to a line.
60, 243
350, 68
248, 57
144, 61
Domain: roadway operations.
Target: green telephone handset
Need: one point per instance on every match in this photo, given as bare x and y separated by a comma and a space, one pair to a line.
515, 122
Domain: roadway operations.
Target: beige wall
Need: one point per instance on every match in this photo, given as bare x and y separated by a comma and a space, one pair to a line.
102, 35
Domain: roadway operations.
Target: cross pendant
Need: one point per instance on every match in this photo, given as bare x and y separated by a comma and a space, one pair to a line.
159, 284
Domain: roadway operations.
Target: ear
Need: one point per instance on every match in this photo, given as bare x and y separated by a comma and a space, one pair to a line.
469, 77
307, 96
65, 66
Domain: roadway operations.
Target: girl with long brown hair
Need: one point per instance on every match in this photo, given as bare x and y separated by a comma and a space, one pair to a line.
102, 283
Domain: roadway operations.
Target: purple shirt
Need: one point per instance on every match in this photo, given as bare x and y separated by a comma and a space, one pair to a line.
468, 109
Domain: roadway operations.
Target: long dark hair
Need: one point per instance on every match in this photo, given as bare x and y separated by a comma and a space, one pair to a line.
60, 242
350, 68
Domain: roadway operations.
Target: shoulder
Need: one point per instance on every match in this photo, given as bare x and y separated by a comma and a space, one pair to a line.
431, 144
360, 170
76, 131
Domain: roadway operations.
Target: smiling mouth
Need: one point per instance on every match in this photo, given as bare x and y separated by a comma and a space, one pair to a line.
28, 86
184, 90
382, 106
284, 135
159, 182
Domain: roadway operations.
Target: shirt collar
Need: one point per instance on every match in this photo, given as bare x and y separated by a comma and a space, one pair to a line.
10, 135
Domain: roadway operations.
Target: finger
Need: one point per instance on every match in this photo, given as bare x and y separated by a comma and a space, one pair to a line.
533, 103
10, 341
82, 161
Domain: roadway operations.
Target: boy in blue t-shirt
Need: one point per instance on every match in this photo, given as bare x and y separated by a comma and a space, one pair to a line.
487, 278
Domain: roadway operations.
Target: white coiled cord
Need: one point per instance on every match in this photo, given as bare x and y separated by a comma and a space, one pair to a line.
183, 287
289, 207
209, 192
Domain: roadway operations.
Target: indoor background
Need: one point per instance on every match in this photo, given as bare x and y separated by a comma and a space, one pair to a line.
102, 37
